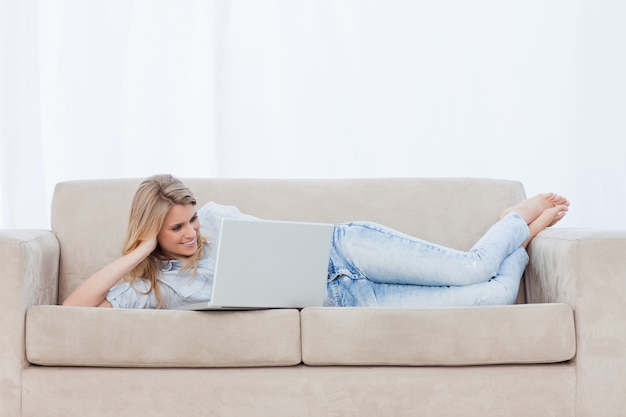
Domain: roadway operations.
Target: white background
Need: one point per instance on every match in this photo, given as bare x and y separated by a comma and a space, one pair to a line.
533, 91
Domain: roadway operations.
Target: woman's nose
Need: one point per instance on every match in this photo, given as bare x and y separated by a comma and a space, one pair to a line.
190, 230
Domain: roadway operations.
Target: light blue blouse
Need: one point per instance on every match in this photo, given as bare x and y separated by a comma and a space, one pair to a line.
180, 287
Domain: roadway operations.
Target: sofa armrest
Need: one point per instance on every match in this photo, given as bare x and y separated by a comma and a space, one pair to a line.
30, 269
29, 266
587, 269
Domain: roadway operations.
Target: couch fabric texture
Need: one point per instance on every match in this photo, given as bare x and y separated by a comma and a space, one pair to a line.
558, 352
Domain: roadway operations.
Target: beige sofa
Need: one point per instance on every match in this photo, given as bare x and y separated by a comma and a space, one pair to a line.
561, 351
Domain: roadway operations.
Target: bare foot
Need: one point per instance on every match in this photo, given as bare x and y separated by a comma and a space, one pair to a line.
533, 207
548, 218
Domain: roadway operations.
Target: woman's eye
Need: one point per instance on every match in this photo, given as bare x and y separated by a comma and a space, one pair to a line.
176, 228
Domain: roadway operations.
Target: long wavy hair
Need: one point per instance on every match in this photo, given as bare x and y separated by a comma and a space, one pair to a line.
153, 200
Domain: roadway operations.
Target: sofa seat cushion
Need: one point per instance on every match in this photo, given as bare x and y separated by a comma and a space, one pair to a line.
83, 336
514, 334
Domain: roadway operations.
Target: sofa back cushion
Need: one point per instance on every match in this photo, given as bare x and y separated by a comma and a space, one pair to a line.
90, 217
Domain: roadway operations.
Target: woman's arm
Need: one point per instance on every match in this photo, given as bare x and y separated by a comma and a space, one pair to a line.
93, 291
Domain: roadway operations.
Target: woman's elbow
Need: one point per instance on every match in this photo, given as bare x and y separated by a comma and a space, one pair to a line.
74, 302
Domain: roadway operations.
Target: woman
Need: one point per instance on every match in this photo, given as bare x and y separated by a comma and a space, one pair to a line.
167, 260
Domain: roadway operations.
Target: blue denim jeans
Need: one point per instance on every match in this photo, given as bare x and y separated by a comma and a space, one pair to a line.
374, 266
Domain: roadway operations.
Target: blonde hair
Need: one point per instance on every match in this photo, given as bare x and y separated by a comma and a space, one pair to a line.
153, 200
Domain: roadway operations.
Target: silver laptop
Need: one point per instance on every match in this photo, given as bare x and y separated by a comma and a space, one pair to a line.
269, 264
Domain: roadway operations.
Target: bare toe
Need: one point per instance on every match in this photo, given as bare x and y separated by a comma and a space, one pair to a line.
533, 207
547, 218
558, 200
558, 217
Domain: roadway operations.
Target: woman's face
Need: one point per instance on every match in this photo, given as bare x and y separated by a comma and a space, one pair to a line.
178, 236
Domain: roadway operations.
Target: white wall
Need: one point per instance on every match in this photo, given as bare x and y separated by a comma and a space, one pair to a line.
533, 91
22, 189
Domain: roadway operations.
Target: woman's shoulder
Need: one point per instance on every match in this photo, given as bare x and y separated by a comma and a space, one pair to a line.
219, 211
135, 294
211, 215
